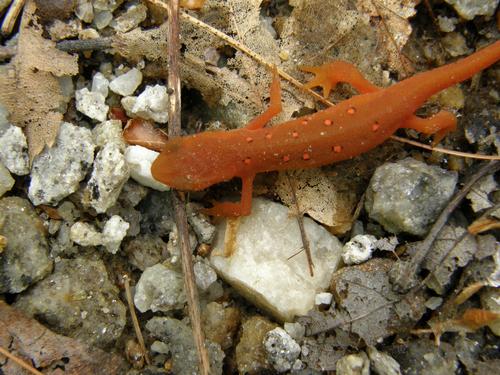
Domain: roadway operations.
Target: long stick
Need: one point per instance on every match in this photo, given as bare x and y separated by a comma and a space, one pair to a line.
174, 130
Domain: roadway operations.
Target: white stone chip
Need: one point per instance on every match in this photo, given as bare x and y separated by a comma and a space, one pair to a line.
57, 171
100, 84
139, 160
91, 104
108, 132
110, 173
324, 298
256, 256
359, 249
127, 83
151, 104
111, 236
14, 150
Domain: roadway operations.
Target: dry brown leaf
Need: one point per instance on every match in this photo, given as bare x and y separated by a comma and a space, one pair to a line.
392, 28
50, 352
30, 88
144, 133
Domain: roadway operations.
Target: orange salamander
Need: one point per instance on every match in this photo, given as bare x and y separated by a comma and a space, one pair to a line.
343, 131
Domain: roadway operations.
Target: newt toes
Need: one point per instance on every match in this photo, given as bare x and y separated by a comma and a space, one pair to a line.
337, 133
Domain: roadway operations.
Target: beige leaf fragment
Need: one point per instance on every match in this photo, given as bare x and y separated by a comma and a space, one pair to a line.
320, 196
30, 87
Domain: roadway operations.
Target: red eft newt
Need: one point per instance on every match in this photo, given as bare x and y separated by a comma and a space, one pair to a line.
343, 131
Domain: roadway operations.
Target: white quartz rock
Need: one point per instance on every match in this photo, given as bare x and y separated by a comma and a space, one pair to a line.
151, 104
91, 104
111, 236
100, 84
127, 83
57, 171
110, 173
14, 149
255, 255
139, 160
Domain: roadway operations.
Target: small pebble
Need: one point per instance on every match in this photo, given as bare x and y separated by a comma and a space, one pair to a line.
111, 236
127, 83
91, 104
359, 249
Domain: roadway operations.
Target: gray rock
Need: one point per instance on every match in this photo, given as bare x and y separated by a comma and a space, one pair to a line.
14, 149
6, 180
57, 171
145, 251
179, 339
78, 300
409, 195
110, 173
353, 364
132, 193
423, 357
282, 350
159, 289
383, 363
469, 9
204, 275
25, 259
202, 227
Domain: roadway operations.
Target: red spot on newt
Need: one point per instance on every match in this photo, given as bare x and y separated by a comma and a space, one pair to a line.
295, 134
212, 157
249, 139
328, 122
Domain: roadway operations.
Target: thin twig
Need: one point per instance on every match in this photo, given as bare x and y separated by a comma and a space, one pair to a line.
300, 221
403, 277
85, 45
445, 151
11, 17
137, 327
174, 130
20, 362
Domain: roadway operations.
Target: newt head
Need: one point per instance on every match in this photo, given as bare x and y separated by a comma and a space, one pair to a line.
192, 163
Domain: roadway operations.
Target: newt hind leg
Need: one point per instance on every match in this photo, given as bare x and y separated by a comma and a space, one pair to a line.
328, 75
274, 104
231, 209
439, 125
